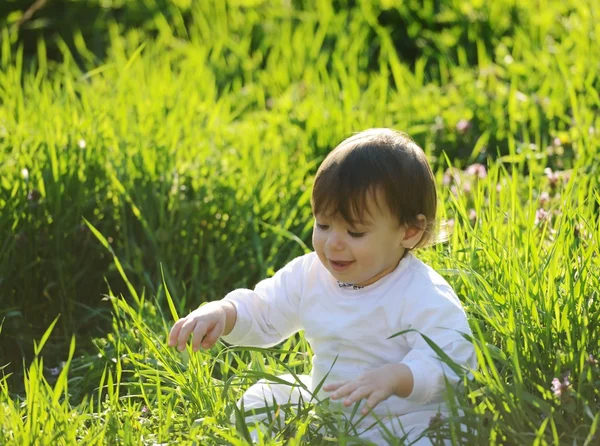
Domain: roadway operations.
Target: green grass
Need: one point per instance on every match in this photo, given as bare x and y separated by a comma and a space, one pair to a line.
179, 167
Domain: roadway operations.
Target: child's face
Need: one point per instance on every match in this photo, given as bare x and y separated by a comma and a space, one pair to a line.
359, 253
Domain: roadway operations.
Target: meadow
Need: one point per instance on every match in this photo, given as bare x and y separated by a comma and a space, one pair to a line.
176, 163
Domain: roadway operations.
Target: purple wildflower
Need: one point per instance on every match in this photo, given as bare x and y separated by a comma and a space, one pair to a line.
55, 371
472, 215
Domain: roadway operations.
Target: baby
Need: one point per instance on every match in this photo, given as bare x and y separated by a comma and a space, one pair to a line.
374, 202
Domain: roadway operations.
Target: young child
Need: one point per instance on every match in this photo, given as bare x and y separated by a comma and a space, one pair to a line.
374, 202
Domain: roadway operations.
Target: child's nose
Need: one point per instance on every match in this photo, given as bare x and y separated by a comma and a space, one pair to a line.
335, 242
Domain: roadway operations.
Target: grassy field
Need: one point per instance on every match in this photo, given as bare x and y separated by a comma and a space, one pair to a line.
138, 184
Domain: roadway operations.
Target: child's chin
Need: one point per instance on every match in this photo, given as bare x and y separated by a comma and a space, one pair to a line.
337, 276
341, 277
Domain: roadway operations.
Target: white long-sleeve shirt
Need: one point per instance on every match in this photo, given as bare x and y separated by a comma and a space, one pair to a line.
353, 325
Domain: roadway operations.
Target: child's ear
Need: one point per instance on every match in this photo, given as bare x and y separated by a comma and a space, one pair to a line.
413, 233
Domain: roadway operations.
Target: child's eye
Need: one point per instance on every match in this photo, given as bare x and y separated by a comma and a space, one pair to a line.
322, 227
356, 234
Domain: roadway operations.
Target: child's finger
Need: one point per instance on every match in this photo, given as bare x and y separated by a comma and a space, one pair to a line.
198, 334
374, 399
358, 394
344, 390
185, 333
333, 386
174, 334
213, 335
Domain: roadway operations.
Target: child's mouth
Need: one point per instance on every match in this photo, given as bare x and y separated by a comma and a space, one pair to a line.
339, 265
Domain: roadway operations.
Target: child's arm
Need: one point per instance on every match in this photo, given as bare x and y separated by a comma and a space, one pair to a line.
271, 312
261, 317
439, 316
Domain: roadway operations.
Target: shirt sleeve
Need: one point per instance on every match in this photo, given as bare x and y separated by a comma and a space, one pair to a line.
270, 313
439, 316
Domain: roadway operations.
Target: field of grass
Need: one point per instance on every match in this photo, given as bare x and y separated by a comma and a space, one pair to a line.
138, 184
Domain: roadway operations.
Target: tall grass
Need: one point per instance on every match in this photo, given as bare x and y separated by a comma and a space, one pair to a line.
192, 161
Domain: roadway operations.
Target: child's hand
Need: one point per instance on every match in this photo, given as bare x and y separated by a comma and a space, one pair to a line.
207, 324
375, 385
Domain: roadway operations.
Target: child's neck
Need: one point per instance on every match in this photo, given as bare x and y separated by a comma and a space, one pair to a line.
382, 274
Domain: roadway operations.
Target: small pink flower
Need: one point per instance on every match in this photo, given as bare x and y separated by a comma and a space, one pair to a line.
447, 179
467, 187
560, 389
557, 142
556, 387
478, 170
552, 176
472, 215
451, 175
541, 215
544, 198
463, 126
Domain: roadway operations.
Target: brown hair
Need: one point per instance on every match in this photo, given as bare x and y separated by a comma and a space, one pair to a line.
378, 160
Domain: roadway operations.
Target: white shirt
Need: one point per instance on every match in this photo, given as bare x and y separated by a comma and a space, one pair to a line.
353, 325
